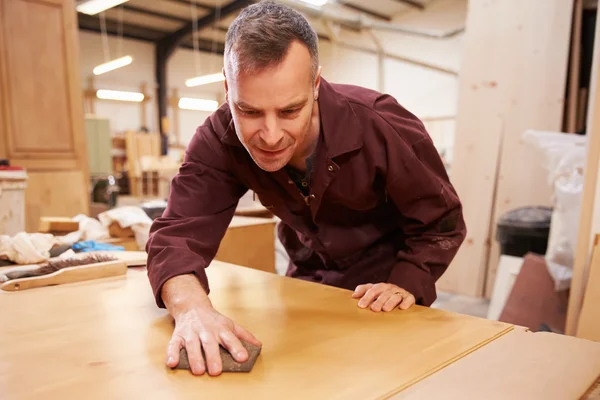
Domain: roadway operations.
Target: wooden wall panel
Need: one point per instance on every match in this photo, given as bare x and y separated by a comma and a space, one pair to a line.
512, 79
41, 101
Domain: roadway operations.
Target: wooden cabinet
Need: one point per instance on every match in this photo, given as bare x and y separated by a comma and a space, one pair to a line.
41, 110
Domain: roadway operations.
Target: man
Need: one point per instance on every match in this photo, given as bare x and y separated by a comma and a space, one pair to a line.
364, 200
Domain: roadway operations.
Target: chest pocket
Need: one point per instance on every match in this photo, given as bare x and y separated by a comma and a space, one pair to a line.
358, 195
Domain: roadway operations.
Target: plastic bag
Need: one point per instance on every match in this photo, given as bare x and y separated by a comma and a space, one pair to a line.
564, 156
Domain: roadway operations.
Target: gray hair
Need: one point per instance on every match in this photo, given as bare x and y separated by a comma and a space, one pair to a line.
261, 35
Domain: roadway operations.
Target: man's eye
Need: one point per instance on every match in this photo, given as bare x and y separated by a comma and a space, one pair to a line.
249, 112
289, 112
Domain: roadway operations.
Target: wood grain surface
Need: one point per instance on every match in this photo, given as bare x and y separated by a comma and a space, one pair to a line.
107, 339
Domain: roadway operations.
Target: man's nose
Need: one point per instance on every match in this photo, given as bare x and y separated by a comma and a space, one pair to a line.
271, 134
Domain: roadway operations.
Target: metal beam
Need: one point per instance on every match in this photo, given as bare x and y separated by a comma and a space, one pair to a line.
365, 11
166, 46
189, 3
413, 4
151, 13
92, 23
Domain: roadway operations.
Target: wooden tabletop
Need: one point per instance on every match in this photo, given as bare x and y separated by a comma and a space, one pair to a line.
107, 339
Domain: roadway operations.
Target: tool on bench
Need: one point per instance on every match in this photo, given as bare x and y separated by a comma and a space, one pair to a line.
62, 270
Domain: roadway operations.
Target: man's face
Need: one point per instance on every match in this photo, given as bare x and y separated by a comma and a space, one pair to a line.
272, 109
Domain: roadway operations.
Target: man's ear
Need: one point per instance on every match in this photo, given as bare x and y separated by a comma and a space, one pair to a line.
225, 82
317, 83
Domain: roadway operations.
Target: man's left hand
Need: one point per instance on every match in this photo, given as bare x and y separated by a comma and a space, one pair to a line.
383, 297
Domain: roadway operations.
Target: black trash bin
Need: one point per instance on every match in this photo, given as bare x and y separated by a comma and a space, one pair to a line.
524, 230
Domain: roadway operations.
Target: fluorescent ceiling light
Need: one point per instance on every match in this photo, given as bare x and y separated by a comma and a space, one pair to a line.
114, 64
188, 103
93, 7
205, 79
119, 95
317, 3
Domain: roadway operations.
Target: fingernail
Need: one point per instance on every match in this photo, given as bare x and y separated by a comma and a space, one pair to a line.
170, 360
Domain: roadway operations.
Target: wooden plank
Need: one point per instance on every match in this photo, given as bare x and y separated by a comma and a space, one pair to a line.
589, 323
538, 105
520, 365
111, 340
590, 200
512, 79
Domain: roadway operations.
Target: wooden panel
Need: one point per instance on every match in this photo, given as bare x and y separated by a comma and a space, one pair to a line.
589, 221
589, 323
519, 366
512, 79
38, 79
112, 339
249, 242
57, 193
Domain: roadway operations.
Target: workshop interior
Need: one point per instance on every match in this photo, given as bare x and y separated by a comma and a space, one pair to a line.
101, 104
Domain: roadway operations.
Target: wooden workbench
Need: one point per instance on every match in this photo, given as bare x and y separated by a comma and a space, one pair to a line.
107, 339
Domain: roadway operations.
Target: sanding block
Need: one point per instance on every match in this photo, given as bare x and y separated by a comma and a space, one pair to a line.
229, 363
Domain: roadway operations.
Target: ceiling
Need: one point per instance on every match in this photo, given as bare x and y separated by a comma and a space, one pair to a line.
157, 20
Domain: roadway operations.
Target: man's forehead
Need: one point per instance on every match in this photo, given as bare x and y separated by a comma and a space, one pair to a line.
281, 104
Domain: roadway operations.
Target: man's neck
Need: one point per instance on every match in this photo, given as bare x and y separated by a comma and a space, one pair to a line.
299, 162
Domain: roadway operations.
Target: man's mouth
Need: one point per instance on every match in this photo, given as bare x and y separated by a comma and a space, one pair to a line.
272, 153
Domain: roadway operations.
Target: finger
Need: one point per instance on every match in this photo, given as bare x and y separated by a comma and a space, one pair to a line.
234, 346
408, 302
212, 354
175, 345
192, 346
381, 300
371, 295
361, 290
245, 335
393, 302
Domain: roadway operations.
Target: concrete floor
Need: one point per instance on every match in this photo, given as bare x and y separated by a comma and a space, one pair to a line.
462, 304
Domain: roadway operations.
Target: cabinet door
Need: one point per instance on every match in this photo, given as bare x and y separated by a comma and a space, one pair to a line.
41, 100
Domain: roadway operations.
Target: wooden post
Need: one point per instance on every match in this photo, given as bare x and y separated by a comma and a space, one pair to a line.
90, 95
143, 116
572, 101
175, 105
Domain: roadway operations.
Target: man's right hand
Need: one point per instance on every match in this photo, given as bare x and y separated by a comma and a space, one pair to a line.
198, 325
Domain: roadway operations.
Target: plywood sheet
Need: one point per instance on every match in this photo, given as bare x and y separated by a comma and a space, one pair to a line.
518, 366
533, 302
589, 319
108, 339
512, 79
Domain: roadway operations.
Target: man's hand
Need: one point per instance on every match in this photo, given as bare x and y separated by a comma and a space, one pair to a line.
199, 326
383, 297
